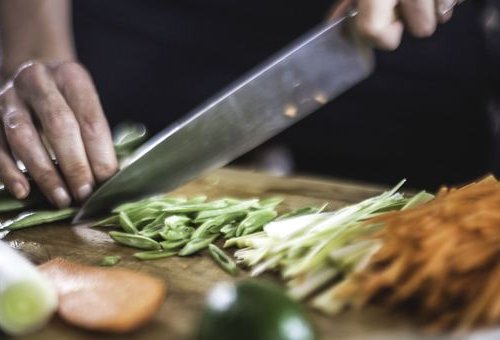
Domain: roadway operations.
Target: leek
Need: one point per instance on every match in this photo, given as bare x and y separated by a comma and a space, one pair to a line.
27, 300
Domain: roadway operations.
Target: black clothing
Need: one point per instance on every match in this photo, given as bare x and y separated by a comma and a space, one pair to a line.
422, 115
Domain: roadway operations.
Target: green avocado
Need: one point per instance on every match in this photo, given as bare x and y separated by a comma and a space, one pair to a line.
252, 310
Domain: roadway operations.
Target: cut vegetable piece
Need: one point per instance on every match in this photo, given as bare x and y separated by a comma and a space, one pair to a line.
12, 204
136, 241
178, 234
102, 299
33, 218
197, 244
127, 136
175, 221
209, 227
223, 260
109, 261
195, 207
271, 202
155, 254
170, 245
111, 221
302, 211
254, 221
27, 299
126, 224
239, 207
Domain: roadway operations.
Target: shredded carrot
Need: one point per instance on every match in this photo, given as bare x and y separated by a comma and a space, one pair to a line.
441, 258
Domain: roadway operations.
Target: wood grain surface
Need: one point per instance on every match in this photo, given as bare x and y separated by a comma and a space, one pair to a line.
189, 279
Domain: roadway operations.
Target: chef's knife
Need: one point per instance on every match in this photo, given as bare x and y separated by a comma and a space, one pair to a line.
295, 82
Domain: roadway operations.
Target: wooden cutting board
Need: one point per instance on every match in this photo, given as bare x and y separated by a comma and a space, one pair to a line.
189, 279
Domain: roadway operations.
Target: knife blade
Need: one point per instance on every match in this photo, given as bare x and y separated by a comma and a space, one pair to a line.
295, 82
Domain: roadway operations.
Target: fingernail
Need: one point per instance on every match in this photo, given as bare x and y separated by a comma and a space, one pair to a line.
19, 190
61, 197
84, 191
445, 6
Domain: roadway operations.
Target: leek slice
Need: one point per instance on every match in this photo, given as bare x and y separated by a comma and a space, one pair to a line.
27, 299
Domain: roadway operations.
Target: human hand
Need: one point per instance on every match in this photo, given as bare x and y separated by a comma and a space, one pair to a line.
382, 21
53, 110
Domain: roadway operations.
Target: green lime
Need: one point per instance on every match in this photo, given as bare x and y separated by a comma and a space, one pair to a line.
252, 310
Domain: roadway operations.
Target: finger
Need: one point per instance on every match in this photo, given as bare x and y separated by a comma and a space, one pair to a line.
37, 87
10, 174
24, 141
376, 21
444, 10
419, 16
76, 85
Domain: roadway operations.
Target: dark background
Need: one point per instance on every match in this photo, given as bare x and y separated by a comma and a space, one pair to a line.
425, 114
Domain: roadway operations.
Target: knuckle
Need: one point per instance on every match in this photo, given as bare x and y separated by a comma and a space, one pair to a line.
20, 136
46, 177
71, 74
31, 77
59, 122
91, 125
77, 171
105, 170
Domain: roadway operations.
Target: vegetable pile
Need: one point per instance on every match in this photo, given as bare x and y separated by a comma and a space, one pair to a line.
442, 259
313, 251
164, 226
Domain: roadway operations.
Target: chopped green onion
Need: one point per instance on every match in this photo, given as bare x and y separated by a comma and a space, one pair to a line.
29, 219
155, 254
27, 300
136, 241
222, 259
109, 261
197, 244
127, 225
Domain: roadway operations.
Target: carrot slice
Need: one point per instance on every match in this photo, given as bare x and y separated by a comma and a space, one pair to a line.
104, 299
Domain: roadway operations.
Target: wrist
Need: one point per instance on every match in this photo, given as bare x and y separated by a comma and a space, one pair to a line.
34, 30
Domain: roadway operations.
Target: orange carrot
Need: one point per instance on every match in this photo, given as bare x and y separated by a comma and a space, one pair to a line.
113, 300
443, 258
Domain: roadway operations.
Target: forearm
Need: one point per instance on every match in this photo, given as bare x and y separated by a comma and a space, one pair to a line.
34, 29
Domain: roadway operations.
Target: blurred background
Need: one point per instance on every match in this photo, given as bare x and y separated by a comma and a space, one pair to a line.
428, 114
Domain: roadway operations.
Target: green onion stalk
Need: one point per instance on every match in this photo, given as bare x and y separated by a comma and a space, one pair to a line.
27, 300
314, 250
